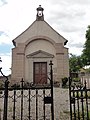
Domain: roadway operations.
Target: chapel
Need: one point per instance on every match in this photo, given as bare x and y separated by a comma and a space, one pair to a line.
33, 50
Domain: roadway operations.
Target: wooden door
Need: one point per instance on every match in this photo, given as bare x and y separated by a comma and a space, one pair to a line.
40, 73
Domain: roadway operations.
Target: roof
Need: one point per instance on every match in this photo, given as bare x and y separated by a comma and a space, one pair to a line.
39, 28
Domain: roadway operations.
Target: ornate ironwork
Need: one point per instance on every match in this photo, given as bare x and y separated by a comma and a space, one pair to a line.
27, 101
79, 101
5, 96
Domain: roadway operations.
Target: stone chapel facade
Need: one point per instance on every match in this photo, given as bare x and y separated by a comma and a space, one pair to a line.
34, 49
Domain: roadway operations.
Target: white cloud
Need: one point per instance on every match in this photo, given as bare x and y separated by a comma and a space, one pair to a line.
17, 15
76, 51
70, 2
4, 38
71, 21
3, 2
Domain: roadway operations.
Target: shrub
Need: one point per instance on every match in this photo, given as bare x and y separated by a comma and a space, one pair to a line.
56, 83
64, 81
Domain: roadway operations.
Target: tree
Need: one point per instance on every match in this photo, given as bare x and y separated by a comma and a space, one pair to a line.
75, 63
86, 50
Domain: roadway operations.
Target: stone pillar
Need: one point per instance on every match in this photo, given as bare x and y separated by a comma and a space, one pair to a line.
60, 61
66, 62
18, 64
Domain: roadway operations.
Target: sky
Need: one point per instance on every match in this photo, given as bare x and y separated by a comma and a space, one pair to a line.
70, 18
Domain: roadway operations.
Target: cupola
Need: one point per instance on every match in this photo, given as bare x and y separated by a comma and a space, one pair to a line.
40, 15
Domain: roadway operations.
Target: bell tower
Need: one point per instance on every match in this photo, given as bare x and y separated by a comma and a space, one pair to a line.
40, 15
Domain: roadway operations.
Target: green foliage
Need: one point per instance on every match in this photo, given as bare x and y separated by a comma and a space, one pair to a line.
76, 79
75, 63
88, 70
86, 50
64, 81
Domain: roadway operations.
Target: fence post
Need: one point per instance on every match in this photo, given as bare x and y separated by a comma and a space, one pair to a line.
51, 81
22, 85
70, 98
5, 100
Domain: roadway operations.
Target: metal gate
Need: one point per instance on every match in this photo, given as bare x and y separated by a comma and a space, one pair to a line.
27, 101
79, 101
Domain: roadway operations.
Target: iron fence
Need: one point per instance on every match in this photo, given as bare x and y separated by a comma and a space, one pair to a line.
27, 101
79, 101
